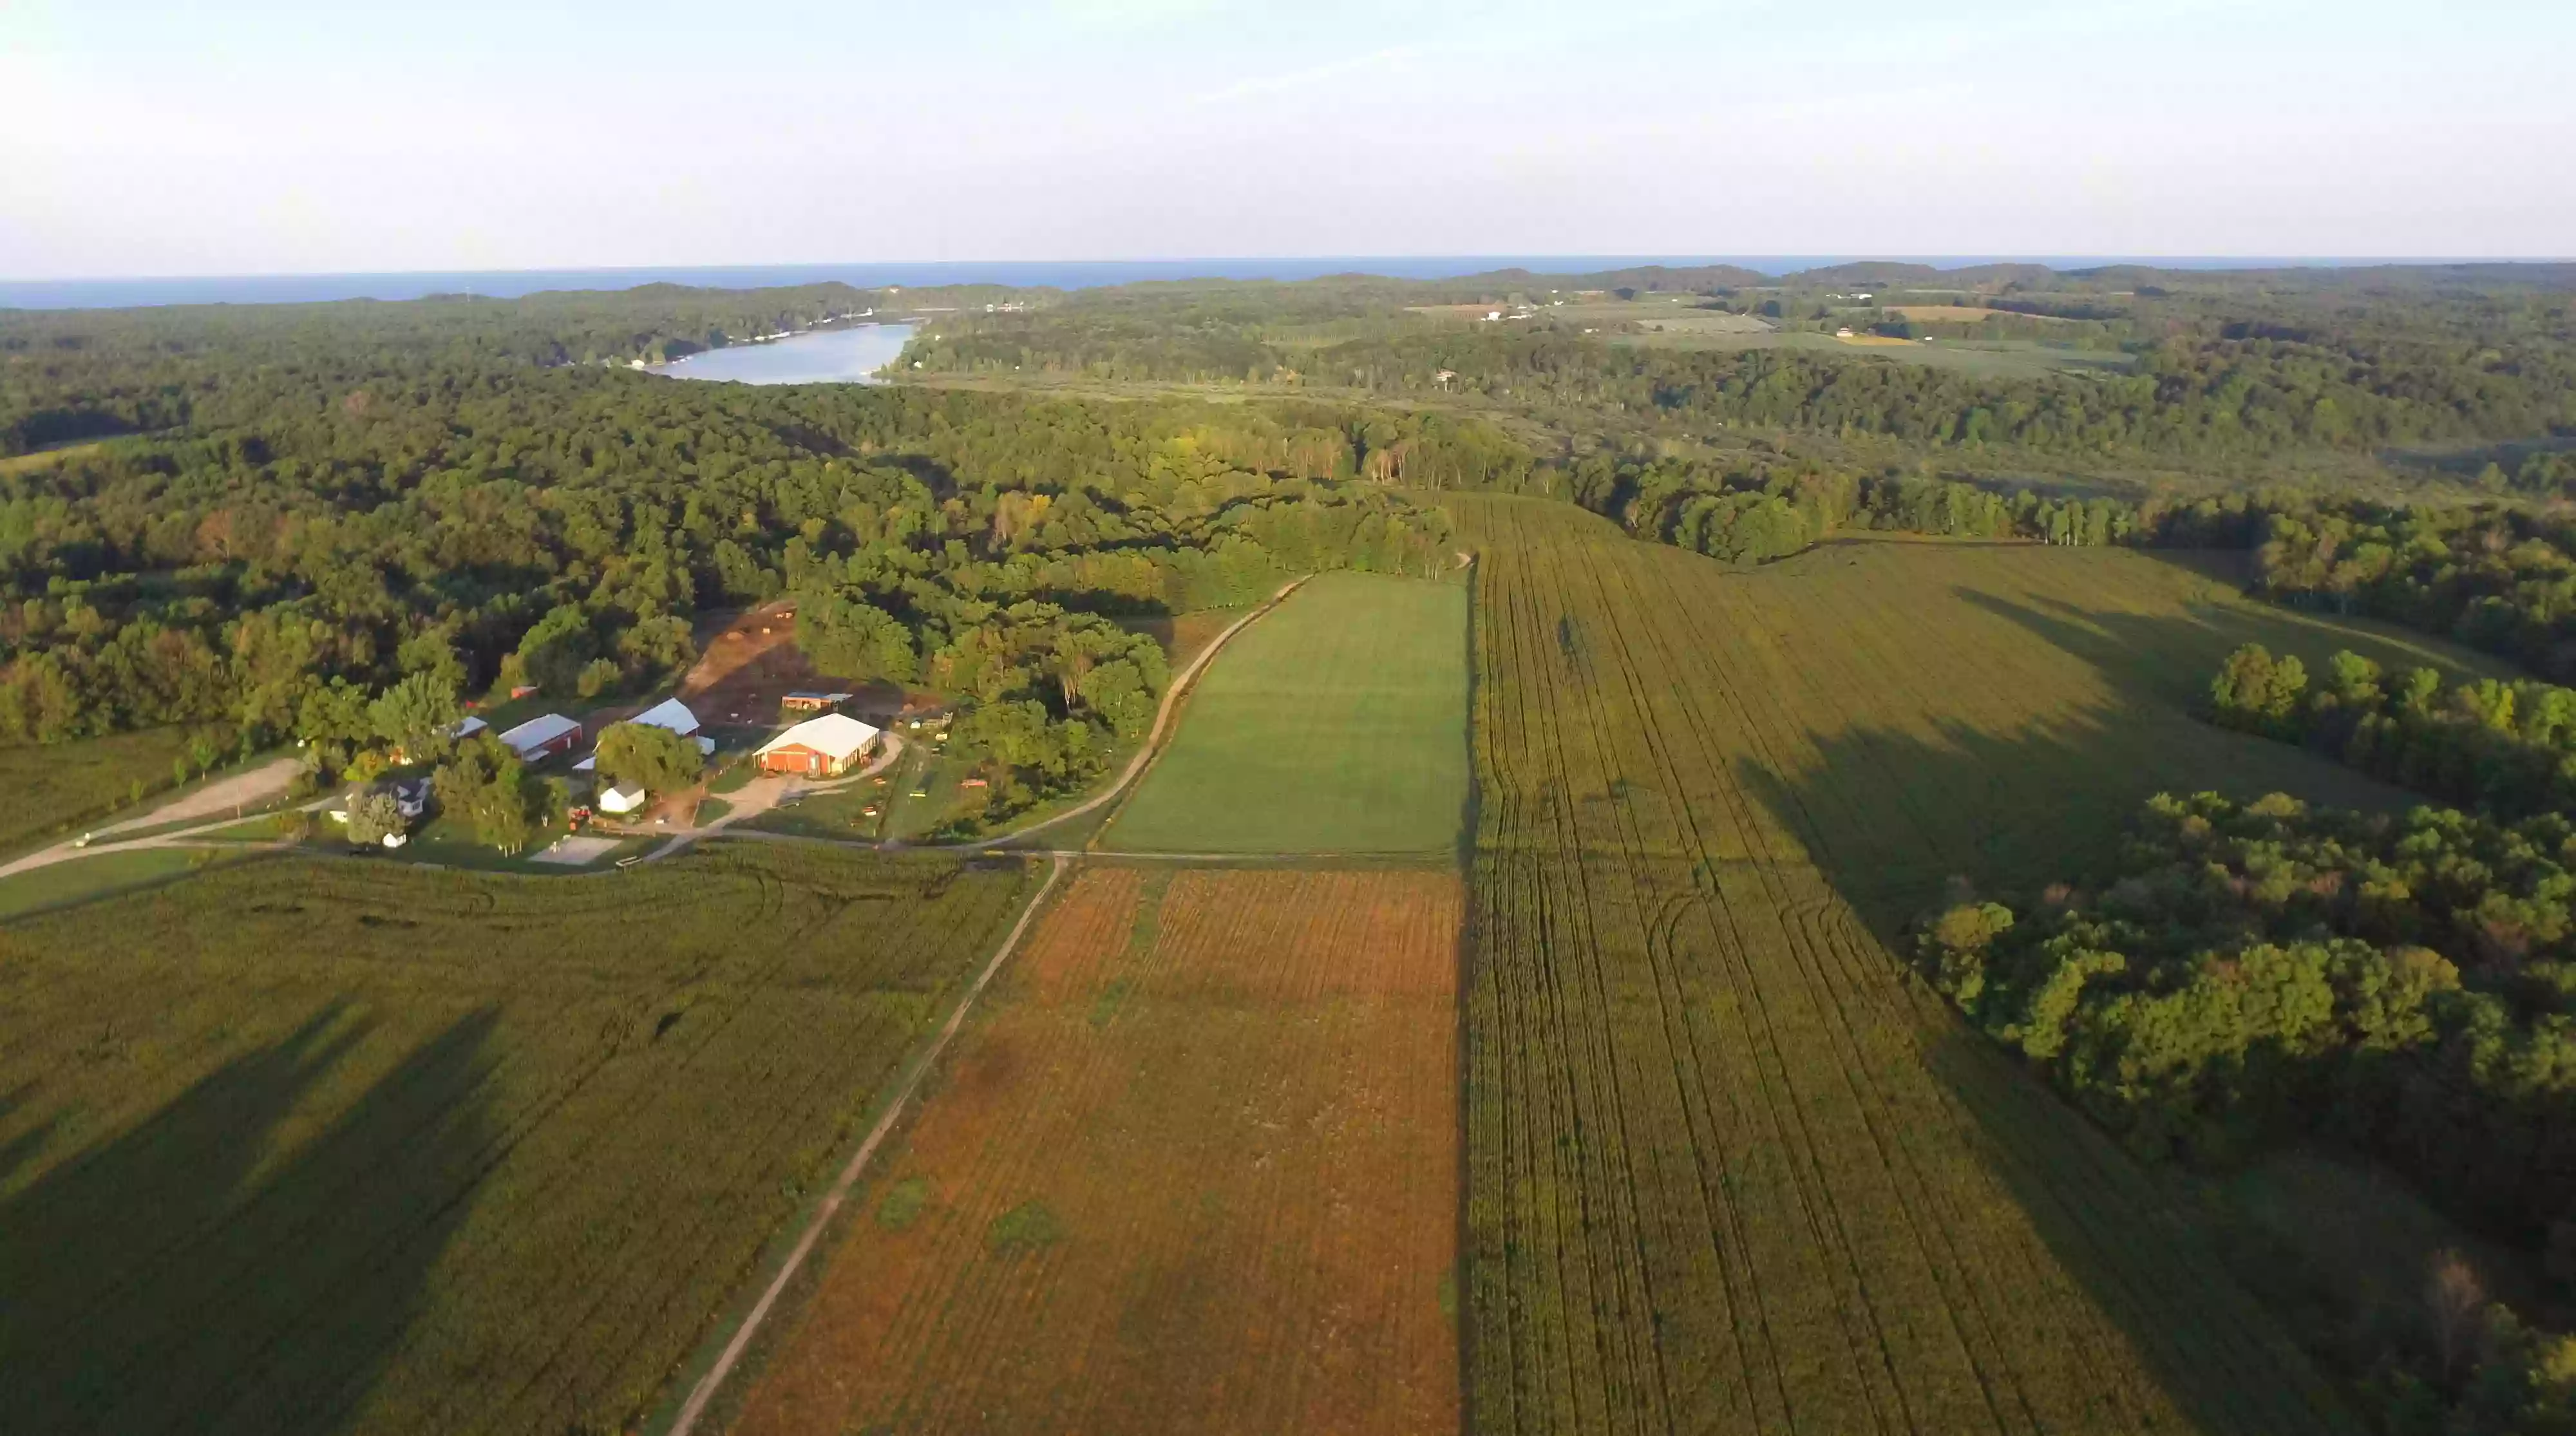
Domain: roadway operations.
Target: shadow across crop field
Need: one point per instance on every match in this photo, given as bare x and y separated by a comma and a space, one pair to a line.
321, 1146
177, 1278
1727, 1168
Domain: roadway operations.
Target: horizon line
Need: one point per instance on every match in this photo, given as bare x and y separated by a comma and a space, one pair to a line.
1640, 259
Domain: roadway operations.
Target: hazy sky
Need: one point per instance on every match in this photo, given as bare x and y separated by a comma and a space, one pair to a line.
297, 135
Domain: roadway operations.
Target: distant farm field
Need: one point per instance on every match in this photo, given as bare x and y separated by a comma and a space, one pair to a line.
1728, 1169
2001, 358
1193, 1168
349, 1147
1966, 314
1336, 724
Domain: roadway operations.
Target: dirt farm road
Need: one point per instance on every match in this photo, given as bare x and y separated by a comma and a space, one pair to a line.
713, 1381
222, 801
1153, 745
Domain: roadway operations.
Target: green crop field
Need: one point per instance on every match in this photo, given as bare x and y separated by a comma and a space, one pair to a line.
327, 1146
1336, 724
1728, 1169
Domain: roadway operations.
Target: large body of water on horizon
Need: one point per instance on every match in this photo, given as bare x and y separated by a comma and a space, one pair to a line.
1058, 274
827, 356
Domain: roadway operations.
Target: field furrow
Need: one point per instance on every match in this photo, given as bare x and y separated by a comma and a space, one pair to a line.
1192, 1169
1727, 1170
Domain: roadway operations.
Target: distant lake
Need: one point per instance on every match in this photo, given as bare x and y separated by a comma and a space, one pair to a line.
827, 356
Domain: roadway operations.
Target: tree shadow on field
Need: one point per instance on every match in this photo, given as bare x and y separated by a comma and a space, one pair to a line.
176, 1278
1891, 814
1897, 819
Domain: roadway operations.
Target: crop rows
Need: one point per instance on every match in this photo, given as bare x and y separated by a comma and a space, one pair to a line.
1193, 1169
392, 1150
1727, 1172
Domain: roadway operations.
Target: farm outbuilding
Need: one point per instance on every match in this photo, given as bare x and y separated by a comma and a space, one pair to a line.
813, 702
538, 737
670, 713
822, 747
621, 800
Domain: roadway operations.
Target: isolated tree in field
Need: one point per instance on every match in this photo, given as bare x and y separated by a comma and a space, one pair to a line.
2258, 693
415, 715
654, 759
373, 817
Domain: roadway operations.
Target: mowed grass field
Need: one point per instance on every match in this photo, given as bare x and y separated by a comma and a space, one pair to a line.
343, 1146
46, 789
1336, 724
1728, 1170
1193, 1168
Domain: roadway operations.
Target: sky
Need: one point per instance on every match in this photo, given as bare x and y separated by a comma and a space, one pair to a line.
300, 136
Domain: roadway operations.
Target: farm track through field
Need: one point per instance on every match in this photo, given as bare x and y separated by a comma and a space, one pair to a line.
1191, 1171
571, 1256
712, 1382
1728, 1171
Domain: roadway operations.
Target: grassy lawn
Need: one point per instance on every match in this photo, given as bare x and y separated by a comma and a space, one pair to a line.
54, 788
309, 1147
1336, 724
844, 814
65, 883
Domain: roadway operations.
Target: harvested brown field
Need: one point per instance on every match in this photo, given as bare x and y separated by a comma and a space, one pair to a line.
1193, 1169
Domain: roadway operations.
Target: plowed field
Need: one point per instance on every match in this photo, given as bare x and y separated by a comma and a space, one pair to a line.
1727, 1170
1192, 1169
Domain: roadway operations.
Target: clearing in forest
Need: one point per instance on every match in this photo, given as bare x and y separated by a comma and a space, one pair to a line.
319, 1147
1728, 1170
1336, 724
1192, 1168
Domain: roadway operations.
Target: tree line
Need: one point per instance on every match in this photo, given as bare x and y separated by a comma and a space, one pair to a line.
2508, 747
1761, 505
2498, 577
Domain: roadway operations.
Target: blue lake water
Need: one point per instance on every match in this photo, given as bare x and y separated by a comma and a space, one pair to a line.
829, 356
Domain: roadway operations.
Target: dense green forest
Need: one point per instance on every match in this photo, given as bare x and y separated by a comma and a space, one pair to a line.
2220, 366
317, 532
85, 374
2260, 973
